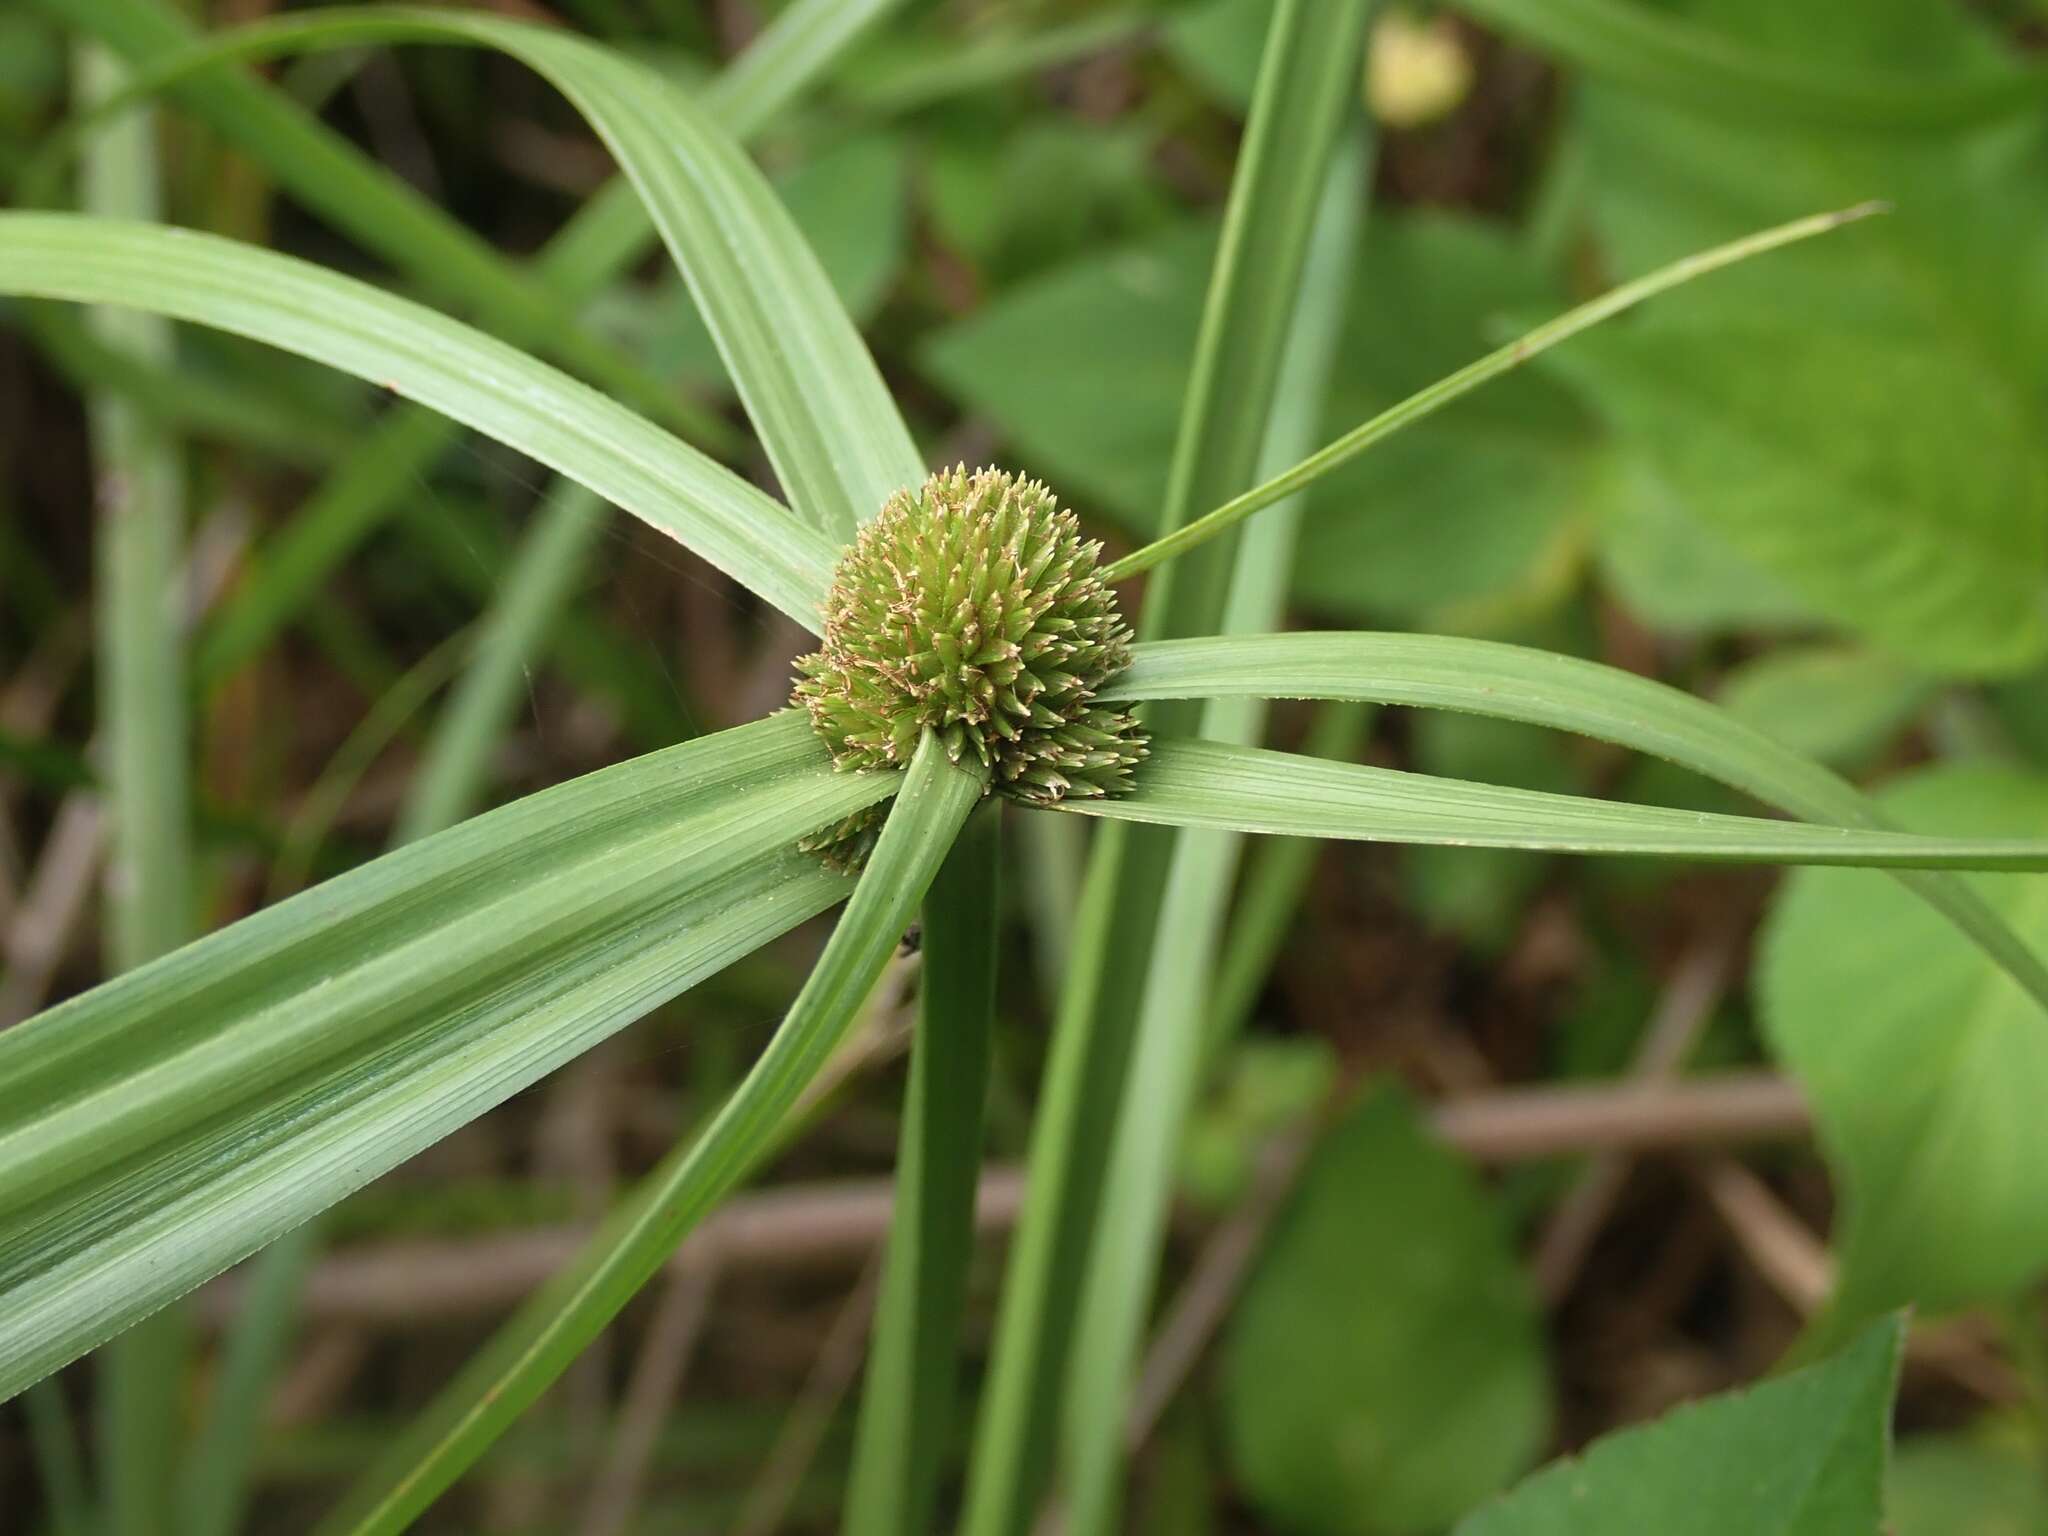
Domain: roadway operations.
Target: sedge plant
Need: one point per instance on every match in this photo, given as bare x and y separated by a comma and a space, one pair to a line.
976, 650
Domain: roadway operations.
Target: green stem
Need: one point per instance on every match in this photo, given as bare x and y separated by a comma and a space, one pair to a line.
60, 1461
1168, 1056
1427, 402
1307, 84
908, 1402
144, 741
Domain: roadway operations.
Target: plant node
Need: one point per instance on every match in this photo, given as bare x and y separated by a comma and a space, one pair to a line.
972, 608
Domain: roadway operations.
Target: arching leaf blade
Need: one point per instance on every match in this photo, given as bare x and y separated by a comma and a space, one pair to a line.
1187, 783
442, 363
831, 428
1511, 682
531, 1350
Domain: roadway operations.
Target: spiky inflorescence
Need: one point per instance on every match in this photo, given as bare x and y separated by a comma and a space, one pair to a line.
972, 608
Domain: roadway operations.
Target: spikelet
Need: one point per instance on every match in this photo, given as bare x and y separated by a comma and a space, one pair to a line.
971, 607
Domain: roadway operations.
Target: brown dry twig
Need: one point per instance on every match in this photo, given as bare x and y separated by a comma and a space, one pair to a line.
416, 1282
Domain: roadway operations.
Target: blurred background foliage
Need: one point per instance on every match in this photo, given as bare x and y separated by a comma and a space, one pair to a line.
1503, 1154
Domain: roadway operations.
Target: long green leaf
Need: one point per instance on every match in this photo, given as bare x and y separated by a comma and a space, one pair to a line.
531, 1350
166, 1124
612, 231
1249, 789
814, 394
605, 238
1167, 1056
1673, 60
1307, 84
912, 1383
1427, 402
437, 361
1513, 682
380, 210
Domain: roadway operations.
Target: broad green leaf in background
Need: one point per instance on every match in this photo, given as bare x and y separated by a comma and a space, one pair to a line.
1673, 571
1861, 420
1447, 521
162, 1126
1801, 1456
1927, 1068
1262, 1084
1912, 508
1834, 704
1217, 43
2020, 708
1383, 1371
1083, 369
1983, 1481
1477, 515
1020, 198
437, 361
1670, 57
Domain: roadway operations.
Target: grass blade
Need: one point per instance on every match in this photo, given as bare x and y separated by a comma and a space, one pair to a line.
531, 1350
830, 426
59, 1460
455, 766
605, 238
215, 1481
1428, 401
1167, 1055
612, 231
144, 737
292, 566
140, 551
168, 1123
387, 216
1511, 682
437, 361
1667, 57
1308, 83
1249, 789
908, 1401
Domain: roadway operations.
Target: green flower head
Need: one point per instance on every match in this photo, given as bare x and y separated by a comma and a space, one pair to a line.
972, 608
